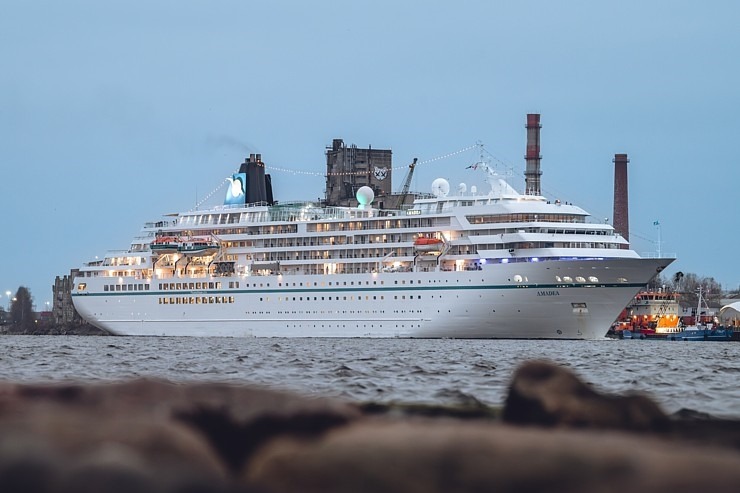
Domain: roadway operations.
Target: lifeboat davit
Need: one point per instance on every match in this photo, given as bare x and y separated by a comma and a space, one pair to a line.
165, 244
424, 244
198, 247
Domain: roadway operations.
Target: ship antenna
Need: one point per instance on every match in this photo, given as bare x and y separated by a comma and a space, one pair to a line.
657, 225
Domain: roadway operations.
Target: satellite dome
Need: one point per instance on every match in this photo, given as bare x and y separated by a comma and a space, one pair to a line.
365, 196
462, 188
440, 187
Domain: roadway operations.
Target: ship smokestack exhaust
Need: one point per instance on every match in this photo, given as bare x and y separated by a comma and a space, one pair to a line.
533, 157
621, 197
259, 185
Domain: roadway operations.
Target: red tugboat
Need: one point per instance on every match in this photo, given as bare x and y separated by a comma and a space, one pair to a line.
649, 314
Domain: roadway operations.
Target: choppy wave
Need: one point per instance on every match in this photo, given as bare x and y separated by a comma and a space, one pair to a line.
695, 375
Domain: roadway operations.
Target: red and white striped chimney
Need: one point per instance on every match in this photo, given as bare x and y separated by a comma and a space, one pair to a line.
532, 173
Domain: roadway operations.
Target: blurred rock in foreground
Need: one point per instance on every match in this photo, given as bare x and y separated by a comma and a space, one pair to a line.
556, 434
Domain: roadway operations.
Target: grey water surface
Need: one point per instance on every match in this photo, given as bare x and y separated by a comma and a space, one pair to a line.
702, 376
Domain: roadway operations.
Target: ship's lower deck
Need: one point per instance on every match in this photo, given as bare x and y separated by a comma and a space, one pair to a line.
517, 300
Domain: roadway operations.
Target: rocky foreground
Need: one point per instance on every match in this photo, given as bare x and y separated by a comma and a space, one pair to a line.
554, 434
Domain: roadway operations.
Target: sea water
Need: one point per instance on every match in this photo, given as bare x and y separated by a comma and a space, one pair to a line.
702, 376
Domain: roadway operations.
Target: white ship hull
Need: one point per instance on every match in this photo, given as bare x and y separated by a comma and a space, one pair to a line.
507, 266
520, 300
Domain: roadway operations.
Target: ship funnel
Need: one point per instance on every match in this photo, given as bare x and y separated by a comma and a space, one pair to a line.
258, 184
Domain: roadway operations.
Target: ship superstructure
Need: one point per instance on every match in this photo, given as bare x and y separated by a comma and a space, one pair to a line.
496, 264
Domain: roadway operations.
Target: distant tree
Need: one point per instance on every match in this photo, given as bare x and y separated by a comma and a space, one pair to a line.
21, 311
677, 278
656, 283
711, 290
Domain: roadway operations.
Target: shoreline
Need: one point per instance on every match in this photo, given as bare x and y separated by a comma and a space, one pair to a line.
69, 329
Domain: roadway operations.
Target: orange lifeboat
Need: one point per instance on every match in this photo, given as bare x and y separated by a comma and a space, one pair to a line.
424, 244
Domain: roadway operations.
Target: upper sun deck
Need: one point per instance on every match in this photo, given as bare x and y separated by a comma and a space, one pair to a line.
535, 208
261, 213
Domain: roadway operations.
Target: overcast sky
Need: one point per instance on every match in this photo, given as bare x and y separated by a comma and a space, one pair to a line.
113, 113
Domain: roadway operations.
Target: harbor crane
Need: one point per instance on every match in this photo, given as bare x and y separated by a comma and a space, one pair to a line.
407, 183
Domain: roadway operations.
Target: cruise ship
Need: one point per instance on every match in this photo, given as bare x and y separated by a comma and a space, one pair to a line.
466, 264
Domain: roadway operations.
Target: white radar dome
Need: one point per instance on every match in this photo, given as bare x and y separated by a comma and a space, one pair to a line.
365, 196
473, 189
462, 188
440, 187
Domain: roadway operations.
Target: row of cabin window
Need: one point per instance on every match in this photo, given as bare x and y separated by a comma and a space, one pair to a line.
235, 284
126, 287
171, 286
340, 298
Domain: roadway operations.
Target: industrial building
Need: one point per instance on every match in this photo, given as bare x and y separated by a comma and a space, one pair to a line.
348, 168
